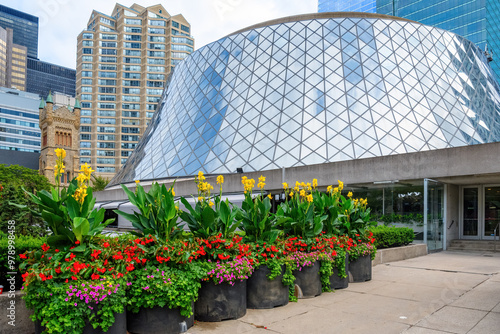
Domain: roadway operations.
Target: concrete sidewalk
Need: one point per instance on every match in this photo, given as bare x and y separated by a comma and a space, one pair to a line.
446, 292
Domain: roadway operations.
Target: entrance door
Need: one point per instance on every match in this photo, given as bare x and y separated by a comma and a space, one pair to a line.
480, 212
434, 216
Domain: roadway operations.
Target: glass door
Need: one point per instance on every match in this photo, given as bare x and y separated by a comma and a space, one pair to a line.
491, 211
434, 214
470, 213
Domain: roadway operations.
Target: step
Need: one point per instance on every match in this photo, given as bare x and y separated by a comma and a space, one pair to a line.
474, 245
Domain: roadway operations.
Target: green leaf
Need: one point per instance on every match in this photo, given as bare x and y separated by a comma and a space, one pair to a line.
80, 227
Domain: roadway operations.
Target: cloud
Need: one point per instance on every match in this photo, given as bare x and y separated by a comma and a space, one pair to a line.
62, 20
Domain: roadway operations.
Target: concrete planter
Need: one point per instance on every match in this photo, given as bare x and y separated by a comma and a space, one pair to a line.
361, 269
308, 281
337, 282
399, 253
158, 320
263, 293
217, 302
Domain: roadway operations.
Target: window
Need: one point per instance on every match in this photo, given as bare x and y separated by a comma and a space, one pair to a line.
106, 113
130, 130
107, 82
132, 60
106, 44
131, 45
87, 51
105, 137
149, 114
86, 66
86, 112
107, 67
85, 136
128, 75
175, 61
131, 90
156, 54
107, 51
133, 83
177, 47
104, 59
156, 31
151, 106
85, 152
85, 120
131, 106
158, 23
130, 114
86, 104
88, 35
156, 62
105, 145
156, 76
108, 36
107, 21
103, 153
106, 161
86, 97
126, 153
87, 43
182, 40
130, 138
155, 46
175, 24
185, 28
85, 129
134, 30
85, 144
155, 83
135, 68
160, 39
88, 58
155, 99
128, 98
100, 169
132, 37
110, 90
128, 145
86, 81
133, 21
130, 122
87, 74
179, 55
106, 121
136, 53
106, 97
85, 160
106, 129
154, 91
107, 74
123, 160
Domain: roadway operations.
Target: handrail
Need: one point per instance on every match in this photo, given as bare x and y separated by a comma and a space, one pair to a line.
495, 238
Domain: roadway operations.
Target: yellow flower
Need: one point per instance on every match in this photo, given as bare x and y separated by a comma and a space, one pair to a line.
243, 180
302, 184
176, 208
200, 198
291, 193
315, 183
173, 192
341, 185
200, 176
302, 193
285, 185
137, 181
211, 203
308, 186
261, 185
262, 179
81, 178
335, 190
329, 189
60, 153
349, 194
309, 198
269, 196
220, 179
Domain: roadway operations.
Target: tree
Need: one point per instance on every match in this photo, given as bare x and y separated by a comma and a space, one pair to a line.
99, 183
12, 178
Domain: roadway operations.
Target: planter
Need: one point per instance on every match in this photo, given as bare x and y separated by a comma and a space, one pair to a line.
308, 281
263, 293
158, 320
361, 269
221, 302
337, 282
119, 327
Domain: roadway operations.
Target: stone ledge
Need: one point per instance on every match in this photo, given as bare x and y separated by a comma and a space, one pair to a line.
23, 323
399, 253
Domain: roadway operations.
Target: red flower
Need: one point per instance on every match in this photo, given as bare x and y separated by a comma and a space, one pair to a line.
77, 242
95, 276
22, 256
45, 247
105, 245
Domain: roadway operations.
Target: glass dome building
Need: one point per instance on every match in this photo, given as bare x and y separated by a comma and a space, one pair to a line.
318, 88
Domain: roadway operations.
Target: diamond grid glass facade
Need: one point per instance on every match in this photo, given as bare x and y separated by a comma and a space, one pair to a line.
318, 90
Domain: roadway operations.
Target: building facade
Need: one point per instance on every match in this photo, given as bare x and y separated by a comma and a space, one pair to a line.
476, 20
400, 111
19, 130
43, 78
367, 6
12, 62
24, 26
59, 128
123, 61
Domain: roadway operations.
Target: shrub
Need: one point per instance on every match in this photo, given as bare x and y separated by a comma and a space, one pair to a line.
386, 237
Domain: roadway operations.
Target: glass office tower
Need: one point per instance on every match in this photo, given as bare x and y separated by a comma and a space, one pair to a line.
368, 6
43, 77
476, 20
25, 27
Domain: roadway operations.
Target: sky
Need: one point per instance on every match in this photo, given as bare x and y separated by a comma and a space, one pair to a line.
60, 21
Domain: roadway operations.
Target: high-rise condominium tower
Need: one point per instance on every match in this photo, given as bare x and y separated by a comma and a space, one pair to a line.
123, 61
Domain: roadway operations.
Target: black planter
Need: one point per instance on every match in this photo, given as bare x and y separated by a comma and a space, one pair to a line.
308, 281
119, 327
264, 293
158, 320
337, 282
361, 269
221, 302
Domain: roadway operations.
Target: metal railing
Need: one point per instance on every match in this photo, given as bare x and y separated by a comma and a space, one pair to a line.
495, 238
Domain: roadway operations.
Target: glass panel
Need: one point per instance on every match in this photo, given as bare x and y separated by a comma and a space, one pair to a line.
470, 212
435, 215
491, 209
